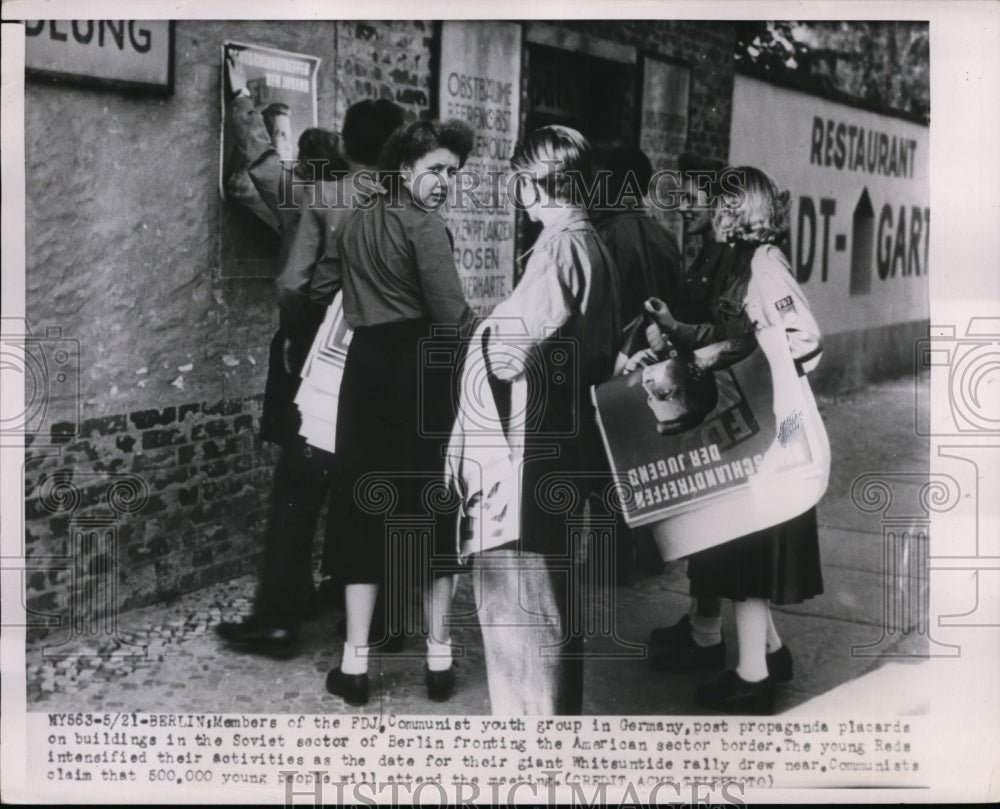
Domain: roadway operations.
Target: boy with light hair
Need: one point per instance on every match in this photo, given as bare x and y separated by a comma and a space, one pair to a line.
556, 335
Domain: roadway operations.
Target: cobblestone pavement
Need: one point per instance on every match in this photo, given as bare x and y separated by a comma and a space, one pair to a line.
167, 658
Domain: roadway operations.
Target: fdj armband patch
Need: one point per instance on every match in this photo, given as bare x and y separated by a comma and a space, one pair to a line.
786, 308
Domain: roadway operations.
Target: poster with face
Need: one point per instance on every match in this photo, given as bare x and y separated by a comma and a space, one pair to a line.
705, 457
268, 100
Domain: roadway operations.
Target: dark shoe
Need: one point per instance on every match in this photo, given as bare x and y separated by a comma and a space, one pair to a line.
676, 650
675, 635
779, 665
352, 688
733, 695
440, 684
258, 636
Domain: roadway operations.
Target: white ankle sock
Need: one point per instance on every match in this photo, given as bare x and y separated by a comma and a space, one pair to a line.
355, 659
438, 655
751, 630
706, 631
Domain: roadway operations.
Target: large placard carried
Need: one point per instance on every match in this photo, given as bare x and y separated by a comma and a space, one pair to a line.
707, 459
480, 83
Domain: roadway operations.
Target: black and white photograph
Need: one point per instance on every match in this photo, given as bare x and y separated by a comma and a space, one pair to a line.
561, 404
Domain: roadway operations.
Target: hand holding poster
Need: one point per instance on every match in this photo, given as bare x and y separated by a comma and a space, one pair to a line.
268, 100
711, 458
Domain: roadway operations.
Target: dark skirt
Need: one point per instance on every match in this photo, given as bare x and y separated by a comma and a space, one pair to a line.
395, 516
780, 564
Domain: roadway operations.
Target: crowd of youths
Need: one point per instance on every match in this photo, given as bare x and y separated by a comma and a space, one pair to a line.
602, 274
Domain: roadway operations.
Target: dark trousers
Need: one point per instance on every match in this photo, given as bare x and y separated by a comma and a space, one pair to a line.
302, 481
303, 478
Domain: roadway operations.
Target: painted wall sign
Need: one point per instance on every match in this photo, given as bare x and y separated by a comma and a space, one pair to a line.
132, 54
860, 200
480, 83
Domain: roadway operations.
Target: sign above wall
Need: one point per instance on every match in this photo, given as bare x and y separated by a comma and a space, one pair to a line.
118, 54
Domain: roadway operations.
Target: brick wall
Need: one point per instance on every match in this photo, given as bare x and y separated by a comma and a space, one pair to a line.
385, 60
173, 358
182, 490
165, 473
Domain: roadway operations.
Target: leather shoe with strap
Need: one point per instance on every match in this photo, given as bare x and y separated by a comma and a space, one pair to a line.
674, 649
732, 694
258, 636
352, 688
779, 665
440, 684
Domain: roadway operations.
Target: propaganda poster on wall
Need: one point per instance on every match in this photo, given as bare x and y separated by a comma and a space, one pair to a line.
268, 99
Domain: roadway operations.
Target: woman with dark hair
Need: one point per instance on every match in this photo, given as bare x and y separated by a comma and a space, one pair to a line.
367, 126
401, 291
777, 565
